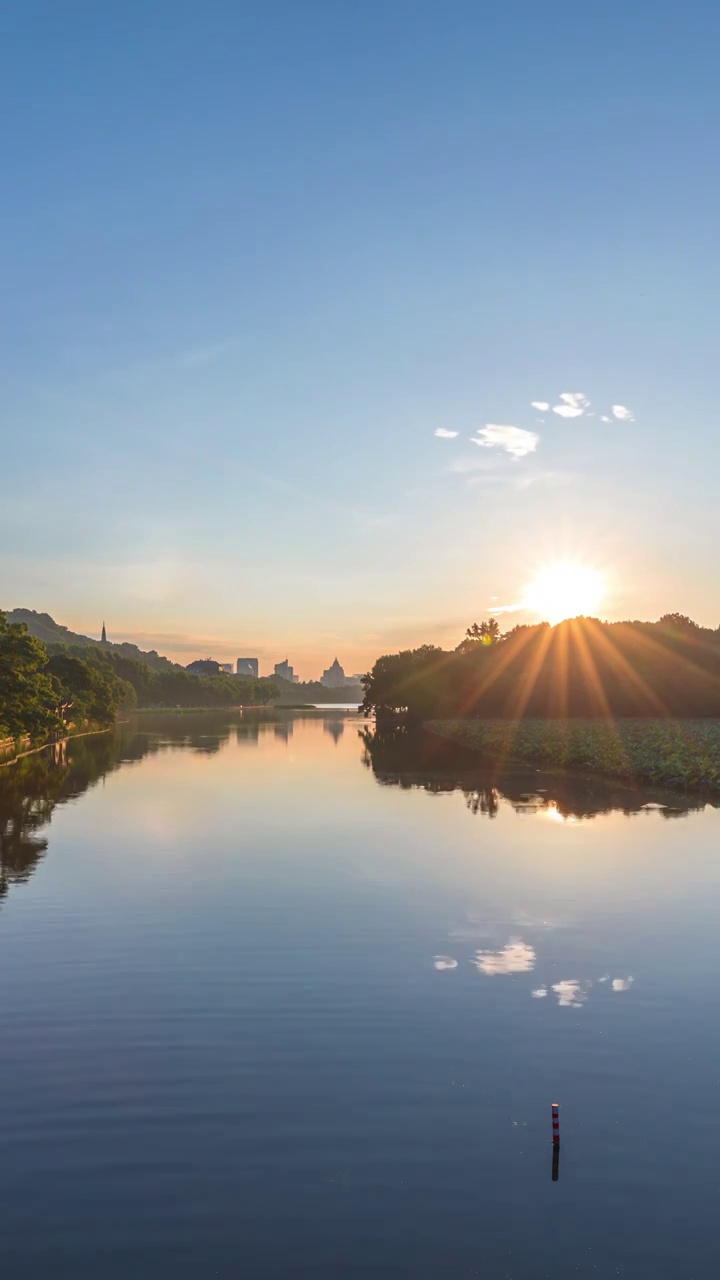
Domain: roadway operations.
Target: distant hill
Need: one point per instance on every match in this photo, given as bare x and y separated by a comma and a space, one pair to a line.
53, 634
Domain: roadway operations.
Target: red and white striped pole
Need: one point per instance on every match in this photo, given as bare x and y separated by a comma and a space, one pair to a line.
556, 1124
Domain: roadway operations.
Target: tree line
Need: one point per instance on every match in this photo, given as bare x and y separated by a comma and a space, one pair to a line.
581, 667
44, 689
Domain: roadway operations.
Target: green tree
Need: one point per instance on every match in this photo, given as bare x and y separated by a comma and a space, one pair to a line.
92, 689
28, 701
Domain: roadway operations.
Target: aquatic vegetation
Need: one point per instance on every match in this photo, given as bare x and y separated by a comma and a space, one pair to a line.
677, 753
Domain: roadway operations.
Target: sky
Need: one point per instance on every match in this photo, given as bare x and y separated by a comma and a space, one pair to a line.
281, 283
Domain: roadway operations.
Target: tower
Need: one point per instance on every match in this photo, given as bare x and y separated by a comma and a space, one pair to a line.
103, 638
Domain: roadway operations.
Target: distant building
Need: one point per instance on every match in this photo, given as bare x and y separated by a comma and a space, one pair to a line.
335, 678
284, 671
227, 667
247, 667
103, 637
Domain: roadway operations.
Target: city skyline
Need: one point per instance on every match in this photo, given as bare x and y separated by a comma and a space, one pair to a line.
333, 676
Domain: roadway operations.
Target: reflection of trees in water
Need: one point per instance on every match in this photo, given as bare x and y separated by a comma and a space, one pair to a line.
399, 758
32, 788
483, 800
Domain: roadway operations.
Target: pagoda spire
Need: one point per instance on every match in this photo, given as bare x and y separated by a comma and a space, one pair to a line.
103, 638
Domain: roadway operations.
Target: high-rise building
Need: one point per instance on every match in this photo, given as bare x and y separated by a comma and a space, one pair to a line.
334, 677
247, 667
227, 667
285, 671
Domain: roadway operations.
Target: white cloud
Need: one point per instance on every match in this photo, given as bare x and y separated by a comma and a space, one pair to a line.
622, 413
443, 434
515, 957
539, 993
567, 411
569, 993
604, 419
542, 405
514, 440
573, 404
444, 962
622, 984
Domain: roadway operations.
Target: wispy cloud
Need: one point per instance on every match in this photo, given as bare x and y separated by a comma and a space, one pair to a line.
515, 957
539, 993
466, 465
444, 962
509, 608
622, 413
542, 405
604, 419
499, 470
514, 440
443, 434
572, 404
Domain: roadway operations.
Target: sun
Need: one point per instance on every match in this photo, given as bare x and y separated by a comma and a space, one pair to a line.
566, 590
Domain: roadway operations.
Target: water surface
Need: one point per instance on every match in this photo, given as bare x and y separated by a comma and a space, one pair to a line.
278, 999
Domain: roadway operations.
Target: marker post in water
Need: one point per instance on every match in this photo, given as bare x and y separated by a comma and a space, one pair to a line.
556, 1124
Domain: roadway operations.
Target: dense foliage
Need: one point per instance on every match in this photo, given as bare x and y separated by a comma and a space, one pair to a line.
580, 668
175, 687
28, 695
675, 753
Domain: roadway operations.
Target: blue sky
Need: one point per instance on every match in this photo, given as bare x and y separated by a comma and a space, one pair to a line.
254, 257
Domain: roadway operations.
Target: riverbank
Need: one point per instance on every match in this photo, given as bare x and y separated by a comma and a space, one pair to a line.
674, 753
6, 760
180, 711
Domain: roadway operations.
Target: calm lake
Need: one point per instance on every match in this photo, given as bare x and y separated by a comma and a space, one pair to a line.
280, 1001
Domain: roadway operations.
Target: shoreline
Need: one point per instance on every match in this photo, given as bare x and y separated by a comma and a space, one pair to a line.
54, 742
178, 711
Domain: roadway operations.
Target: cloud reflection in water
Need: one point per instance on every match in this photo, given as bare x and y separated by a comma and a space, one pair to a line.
515, 957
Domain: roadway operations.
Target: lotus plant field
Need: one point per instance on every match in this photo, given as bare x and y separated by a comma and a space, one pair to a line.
674, 753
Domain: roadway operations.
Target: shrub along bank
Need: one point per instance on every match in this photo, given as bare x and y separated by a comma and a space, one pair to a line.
677, 753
